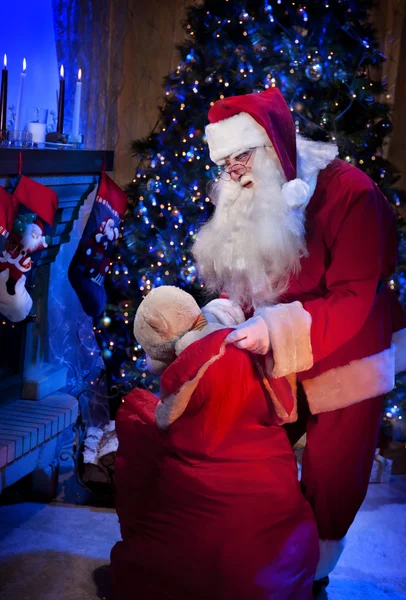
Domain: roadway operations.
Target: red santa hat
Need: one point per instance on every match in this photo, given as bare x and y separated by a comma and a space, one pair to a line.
42, 242
239, 123
39, 224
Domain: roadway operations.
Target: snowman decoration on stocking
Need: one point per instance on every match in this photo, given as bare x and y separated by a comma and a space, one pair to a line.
17, 255
25, 216
26, 238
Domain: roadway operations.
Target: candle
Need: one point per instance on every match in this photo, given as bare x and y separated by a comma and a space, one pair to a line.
20, 97
61, 101
76, 107
37, 132
3, 97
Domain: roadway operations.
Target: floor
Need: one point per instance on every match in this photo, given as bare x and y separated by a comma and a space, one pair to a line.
60, 551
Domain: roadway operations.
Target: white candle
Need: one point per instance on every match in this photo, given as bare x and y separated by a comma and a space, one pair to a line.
17, 124
37, 132
76, 107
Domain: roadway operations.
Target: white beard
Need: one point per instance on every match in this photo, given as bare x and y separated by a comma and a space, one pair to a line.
254, 242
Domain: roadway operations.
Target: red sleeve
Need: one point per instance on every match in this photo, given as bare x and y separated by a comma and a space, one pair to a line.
361, 239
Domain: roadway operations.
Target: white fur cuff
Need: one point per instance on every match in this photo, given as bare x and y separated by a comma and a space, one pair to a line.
359, 380
289, 331
399, 339
330, 552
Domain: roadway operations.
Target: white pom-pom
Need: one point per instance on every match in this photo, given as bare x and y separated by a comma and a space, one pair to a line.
296, 193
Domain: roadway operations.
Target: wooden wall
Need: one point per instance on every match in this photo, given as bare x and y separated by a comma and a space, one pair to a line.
149, 54
390, 21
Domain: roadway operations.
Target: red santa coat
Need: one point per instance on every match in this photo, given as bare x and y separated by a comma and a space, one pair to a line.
211, 508
336, 322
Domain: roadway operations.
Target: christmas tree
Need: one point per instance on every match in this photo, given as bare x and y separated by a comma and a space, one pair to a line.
325, 59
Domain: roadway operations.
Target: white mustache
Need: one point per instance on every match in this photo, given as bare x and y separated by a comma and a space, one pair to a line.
251, 208
247, 178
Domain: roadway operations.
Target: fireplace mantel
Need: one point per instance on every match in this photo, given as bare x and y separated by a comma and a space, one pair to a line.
54, 162
33, 396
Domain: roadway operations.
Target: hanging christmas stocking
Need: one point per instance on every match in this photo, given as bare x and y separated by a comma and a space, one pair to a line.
30, 232
92, 257
8, 212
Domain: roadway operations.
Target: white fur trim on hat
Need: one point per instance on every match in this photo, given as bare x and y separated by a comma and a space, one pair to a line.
235, 134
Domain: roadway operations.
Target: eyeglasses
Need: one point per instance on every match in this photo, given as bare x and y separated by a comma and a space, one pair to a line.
238, 168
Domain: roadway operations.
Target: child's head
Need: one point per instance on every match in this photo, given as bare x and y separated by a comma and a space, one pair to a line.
162, 318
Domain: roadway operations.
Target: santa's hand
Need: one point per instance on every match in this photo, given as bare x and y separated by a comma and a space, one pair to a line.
223, 311
252, 335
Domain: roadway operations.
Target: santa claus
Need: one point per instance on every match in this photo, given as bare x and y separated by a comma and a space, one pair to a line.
300, 244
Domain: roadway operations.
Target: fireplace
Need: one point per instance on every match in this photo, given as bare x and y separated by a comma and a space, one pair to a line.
36, 400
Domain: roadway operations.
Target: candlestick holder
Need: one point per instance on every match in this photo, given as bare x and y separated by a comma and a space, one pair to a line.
15, 139
3, 138
19, 139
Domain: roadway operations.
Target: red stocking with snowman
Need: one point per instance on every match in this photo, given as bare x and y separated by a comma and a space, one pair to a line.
36, 205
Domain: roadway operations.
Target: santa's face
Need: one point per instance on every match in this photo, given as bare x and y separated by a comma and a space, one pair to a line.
238, 167
254, 241
33, 238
